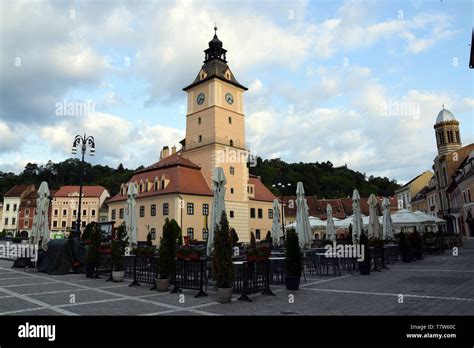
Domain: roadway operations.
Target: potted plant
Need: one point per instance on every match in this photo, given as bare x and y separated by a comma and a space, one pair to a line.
118, 253
364, 265
223, 269
403, 247
93, 249
166, 256
293, 263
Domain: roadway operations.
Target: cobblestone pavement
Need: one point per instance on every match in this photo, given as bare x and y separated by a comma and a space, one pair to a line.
437, 285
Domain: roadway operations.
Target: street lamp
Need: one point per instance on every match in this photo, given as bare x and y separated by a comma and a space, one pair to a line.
281, 187
83, 142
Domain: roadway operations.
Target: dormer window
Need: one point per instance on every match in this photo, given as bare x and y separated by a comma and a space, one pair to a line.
163, 184
156, 185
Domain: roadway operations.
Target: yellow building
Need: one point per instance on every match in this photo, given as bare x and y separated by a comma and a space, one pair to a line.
65, 205
407, 192
182, 180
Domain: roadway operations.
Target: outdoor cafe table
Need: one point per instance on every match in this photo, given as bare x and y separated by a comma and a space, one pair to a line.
334, 260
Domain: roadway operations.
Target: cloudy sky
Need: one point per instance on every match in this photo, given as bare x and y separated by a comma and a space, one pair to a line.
353, 82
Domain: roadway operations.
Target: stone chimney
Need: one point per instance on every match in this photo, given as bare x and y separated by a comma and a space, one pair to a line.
173, 150
165, 152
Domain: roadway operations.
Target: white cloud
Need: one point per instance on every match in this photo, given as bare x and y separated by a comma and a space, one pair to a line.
9, 140
116, 139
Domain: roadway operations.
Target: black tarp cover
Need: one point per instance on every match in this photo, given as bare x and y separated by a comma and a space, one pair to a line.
62, 257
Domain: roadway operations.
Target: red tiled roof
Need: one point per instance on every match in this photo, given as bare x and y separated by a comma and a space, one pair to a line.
261, 192
185, 177
87, 191
170, 161
341, 207
18, 190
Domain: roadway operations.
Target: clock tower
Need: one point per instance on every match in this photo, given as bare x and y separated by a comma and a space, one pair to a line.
215, 131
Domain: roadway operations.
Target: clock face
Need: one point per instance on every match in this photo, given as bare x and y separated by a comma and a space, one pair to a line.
200, 98
229, 98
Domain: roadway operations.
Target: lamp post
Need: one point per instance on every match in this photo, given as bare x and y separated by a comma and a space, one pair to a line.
83, 142
281, 187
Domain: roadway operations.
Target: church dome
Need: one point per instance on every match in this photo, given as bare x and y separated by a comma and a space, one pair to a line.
445, 115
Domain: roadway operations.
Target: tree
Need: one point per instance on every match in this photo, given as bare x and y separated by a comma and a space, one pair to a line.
167, 250
222, 258
235, 237
177, 232
293, 261
148, 239
268, 237
253, 242
93, 250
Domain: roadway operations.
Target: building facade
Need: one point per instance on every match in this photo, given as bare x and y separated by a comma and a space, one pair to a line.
461, 195
11, 207
65, 203
407, 192
451, 154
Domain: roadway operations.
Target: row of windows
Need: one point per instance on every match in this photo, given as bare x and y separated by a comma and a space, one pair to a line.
229, 120
190, 211
450, 136
73, 225
7, 207
231, 142
260, 213
143, 187
166, 209
74, 212
189, 233
13, 221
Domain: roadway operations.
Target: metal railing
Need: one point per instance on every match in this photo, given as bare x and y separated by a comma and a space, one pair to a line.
190, 274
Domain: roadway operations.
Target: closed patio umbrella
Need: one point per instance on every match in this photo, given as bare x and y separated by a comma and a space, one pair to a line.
357, 223
303, 228
277, 232
218, 205
40, 228
330, 229
131, 214
387, 223
374, 223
